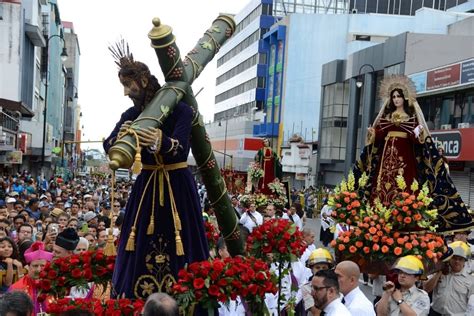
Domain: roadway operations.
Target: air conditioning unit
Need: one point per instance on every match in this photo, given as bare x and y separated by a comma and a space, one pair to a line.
463, 125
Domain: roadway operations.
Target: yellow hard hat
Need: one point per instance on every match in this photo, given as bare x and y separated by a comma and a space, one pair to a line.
460, 248
410, 265
320, 255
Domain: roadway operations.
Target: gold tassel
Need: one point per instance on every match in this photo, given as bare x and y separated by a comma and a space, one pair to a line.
151, 227
110, 249
131, 241
137, 165
179, 245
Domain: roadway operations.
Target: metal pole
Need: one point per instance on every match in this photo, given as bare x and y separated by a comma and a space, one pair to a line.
225, 139
44, 115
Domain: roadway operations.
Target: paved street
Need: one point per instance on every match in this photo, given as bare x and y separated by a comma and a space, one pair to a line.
315, 225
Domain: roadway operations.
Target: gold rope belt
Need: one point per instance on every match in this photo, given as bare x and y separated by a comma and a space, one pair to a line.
397, 134
162, 171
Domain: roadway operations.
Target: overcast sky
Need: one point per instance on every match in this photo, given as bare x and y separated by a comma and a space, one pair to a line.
100, 23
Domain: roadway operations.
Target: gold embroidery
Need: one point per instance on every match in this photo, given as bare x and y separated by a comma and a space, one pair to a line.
159, 277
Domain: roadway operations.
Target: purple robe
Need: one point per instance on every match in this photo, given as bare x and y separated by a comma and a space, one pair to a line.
153, 265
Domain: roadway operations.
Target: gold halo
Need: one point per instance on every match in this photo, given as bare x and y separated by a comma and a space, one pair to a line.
401, 82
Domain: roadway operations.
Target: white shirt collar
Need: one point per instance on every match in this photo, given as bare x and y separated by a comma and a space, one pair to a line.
332, 306
351, 296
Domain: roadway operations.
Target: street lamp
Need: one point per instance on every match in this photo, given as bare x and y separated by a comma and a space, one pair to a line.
46, 66
360, 83
225, 138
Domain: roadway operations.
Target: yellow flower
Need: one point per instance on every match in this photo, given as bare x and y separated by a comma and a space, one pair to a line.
350, 181
414, 186
401, 182
363, 180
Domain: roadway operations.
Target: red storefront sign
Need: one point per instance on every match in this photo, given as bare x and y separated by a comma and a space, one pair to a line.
456, 143
443, 77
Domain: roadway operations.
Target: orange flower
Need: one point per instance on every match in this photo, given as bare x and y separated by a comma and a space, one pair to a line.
347, 199
375, 238
366, 249
372, 230
346, 193
405, 195
408, 201
357, 232
338, 205
431, 245
376, 247
353, 212
397, 251
429, 254
405, 208
397, 203
341, 247
400, 241
385, 249
346, 240
417, 217
407, 220
395, 212
390, 241
380, 233
396, 234
348, 222
415, 242
359, 244
415, 205
375, 217
342, 215
352, 249
399, 218
353, 195
366, 219
349, 207
382, 221
333, 243
355, 203
408, 246
412, 197
423, 244
384, 238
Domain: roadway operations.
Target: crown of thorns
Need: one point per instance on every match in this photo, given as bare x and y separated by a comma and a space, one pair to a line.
124, 59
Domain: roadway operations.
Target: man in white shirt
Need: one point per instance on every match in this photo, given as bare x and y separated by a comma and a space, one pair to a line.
357, 303
293, 217
251, 218
325, 291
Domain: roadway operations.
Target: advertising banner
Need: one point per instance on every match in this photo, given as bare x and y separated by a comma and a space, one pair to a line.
443, 77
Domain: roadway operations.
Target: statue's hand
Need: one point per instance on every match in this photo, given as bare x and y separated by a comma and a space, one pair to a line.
147, 136
418, 131
124, 128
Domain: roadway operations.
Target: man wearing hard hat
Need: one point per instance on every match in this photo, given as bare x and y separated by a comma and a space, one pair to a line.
452, 287
319, 259
405, 298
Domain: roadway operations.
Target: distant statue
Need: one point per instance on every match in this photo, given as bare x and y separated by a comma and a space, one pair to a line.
270, 164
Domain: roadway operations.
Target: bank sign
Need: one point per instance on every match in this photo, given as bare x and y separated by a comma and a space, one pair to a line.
457, 74
455, 143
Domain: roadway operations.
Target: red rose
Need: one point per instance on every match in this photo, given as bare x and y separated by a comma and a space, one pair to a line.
74, 261
52, 274
218, 266
99, 255
198, 283
214, 290
88, 274
45, 285
76, 273
222, 282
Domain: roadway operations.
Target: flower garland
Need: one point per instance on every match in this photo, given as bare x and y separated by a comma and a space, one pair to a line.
116, 307
77, 270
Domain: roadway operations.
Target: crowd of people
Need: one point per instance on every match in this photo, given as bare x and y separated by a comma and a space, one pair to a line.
40, 223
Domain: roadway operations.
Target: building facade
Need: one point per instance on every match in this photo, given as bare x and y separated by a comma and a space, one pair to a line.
442, 67
33, 81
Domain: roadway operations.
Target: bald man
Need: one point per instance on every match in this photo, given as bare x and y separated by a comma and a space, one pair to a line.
357, 303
